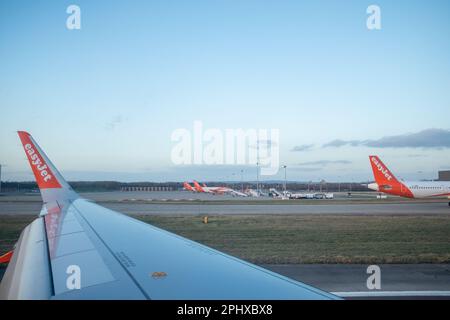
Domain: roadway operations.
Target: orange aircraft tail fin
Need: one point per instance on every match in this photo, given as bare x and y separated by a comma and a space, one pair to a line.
381, 173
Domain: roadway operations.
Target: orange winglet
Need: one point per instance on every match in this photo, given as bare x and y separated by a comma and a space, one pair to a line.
6, 258
45, 178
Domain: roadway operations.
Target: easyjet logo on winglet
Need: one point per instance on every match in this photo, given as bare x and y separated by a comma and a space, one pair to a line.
42, 171
38, 163
382, 169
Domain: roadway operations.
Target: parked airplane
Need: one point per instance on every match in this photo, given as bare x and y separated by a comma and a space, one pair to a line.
76, 249
274, 193
290, 195
188, 187
217, 190
252, 193
386, 182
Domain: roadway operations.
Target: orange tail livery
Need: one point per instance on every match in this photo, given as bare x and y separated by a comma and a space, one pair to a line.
188, 187
198, 187
385, 181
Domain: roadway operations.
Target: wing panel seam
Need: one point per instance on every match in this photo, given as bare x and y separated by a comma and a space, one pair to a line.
114, 256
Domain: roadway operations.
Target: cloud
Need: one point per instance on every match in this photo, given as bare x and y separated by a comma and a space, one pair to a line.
416, 155
264, 144
428, 139
319, 165
111, 125
340, 143
324, 162
303, 147
306, 169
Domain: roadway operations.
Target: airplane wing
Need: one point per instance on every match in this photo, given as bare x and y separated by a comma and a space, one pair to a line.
77, 249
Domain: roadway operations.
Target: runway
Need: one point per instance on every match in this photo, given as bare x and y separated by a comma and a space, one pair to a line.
32, 205
353, 277
179, 203
340, 209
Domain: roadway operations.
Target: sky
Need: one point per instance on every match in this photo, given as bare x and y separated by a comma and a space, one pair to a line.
104, 100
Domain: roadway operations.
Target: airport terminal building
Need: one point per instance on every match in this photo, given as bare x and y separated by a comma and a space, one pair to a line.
444, 175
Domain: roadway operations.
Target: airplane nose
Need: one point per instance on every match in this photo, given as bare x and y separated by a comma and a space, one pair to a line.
373, 186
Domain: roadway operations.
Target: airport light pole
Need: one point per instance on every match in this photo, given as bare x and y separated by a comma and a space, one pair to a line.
322, 183
242, 180
257, 177
233, 175
257, 166
285, 175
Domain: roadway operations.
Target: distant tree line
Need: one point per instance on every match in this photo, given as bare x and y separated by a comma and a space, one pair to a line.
103, 186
